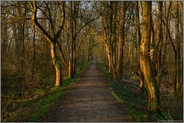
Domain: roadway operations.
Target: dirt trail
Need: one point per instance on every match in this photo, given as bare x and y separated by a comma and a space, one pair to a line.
89, 100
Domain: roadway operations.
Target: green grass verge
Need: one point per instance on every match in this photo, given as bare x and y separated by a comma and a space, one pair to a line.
42, 104
36, 109
136, 105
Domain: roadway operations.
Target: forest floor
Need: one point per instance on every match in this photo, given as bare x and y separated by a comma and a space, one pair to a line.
89, 100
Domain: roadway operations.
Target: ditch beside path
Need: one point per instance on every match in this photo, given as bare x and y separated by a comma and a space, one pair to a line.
88, 100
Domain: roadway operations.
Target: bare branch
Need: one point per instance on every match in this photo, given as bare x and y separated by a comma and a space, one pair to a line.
52, 25
61, 22
38, 26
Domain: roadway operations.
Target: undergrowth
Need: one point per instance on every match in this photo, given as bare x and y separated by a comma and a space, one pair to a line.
128, 94
35, 110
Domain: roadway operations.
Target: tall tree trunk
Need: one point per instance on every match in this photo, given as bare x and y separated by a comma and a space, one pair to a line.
139, 42
57, 65
75, 13
111, 68
112, 65
180, 88
115, 33
34, 53
160, 42
138, 29
145, 60
121, 40
178, 47
70, 71
167, 14
111, 39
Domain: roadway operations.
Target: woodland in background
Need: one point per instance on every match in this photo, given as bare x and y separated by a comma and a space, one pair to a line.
43, 43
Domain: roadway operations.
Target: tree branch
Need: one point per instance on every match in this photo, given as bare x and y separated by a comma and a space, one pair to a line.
169, 36
61, 22
52, 25
36, 23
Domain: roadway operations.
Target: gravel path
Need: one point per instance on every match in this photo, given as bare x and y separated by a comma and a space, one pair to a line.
89, 100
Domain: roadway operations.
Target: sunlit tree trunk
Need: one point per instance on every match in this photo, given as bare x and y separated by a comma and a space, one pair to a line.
52, 40
107, 38
145, 60
56, 64
139, 42
138, 29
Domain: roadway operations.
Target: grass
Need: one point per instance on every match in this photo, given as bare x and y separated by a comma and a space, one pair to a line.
130, 96
37, 108
44, 102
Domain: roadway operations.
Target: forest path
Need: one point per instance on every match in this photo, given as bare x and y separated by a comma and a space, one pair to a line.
89, 100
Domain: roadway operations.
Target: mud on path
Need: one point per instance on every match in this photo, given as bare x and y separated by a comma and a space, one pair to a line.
89, 100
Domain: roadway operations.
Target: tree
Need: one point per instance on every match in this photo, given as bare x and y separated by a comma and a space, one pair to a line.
121, 39
145, 60
178, 57
52, 40
160, 42
107, 24
74, 8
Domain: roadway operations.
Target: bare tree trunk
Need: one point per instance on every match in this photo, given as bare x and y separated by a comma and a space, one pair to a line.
121, 40
139, 42
56, 65
178, 48
70, 71
160, 42
34, 53
145, 60
112, 65
110, 35
180, 84
167, 14
115, 33
75, 13
138, 30
108, 61
107, 58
